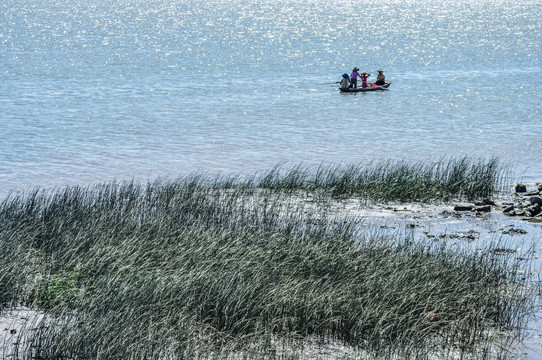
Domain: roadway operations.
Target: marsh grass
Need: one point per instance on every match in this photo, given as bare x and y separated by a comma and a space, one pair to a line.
202, 267
392, 180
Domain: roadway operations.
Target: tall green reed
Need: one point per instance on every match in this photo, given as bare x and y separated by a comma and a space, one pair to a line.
444, 179
199, 267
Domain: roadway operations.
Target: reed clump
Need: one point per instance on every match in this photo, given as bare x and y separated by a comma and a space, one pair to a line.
202, 267
395, 180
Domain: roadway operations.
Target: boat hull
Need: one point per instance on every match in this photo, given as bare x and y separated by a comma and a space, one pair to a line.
371, 87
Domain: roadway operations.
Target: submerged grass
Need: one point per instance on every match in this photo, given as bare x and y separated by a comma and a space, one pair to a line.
205, 268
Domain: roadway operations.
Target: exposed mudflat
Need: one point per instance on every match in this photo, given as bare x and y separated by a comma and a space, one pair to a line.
476, 226
15, 327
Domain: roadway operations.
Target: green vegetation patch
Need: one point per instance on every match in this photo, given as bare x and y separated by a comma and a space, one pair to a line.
445, 179
61, 289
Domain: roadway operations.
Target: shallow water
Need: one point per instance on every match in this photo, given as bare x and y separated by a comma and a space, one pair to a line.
98, 90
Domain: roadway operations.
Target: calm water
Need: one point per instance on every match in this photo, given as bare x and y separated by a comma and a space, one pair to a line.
94, 90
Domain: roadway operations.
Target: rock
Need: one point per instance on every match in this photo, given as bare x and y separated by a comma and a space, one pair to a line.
471, 235
540, 188
513, 231
463, 207
536, 200
533, 210
432, 317
508, 209
503, 251
518, 212
484, 208
520, 188
488, 202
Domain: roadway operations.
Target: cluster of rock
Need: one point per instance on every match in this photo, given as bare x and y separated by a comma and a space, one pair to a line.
527, 203
524, 203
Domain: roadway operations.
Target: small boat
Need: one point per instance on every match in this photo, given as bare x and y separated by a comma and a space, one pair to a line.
371, 87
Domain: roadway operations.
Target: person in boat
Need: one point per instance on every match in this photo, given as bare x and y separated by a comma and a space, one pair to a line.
380, 78
354, 78
364, 75
345, 81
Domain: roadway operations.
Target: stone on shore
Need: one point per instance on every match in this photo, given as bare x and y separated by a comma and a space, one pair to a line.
484, 208
508, 209
533, 210
463, 207
520, 188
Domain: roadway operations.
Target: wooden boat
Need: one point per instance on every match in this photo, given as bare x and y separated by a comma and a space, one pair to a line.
371, 87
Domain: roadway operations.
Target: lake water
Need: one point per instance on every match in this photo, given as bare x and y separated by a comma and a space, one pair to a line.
95, 90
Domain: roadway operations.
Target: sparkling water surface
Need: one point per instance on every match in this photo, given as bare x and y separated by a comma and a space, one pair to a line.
92, 91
